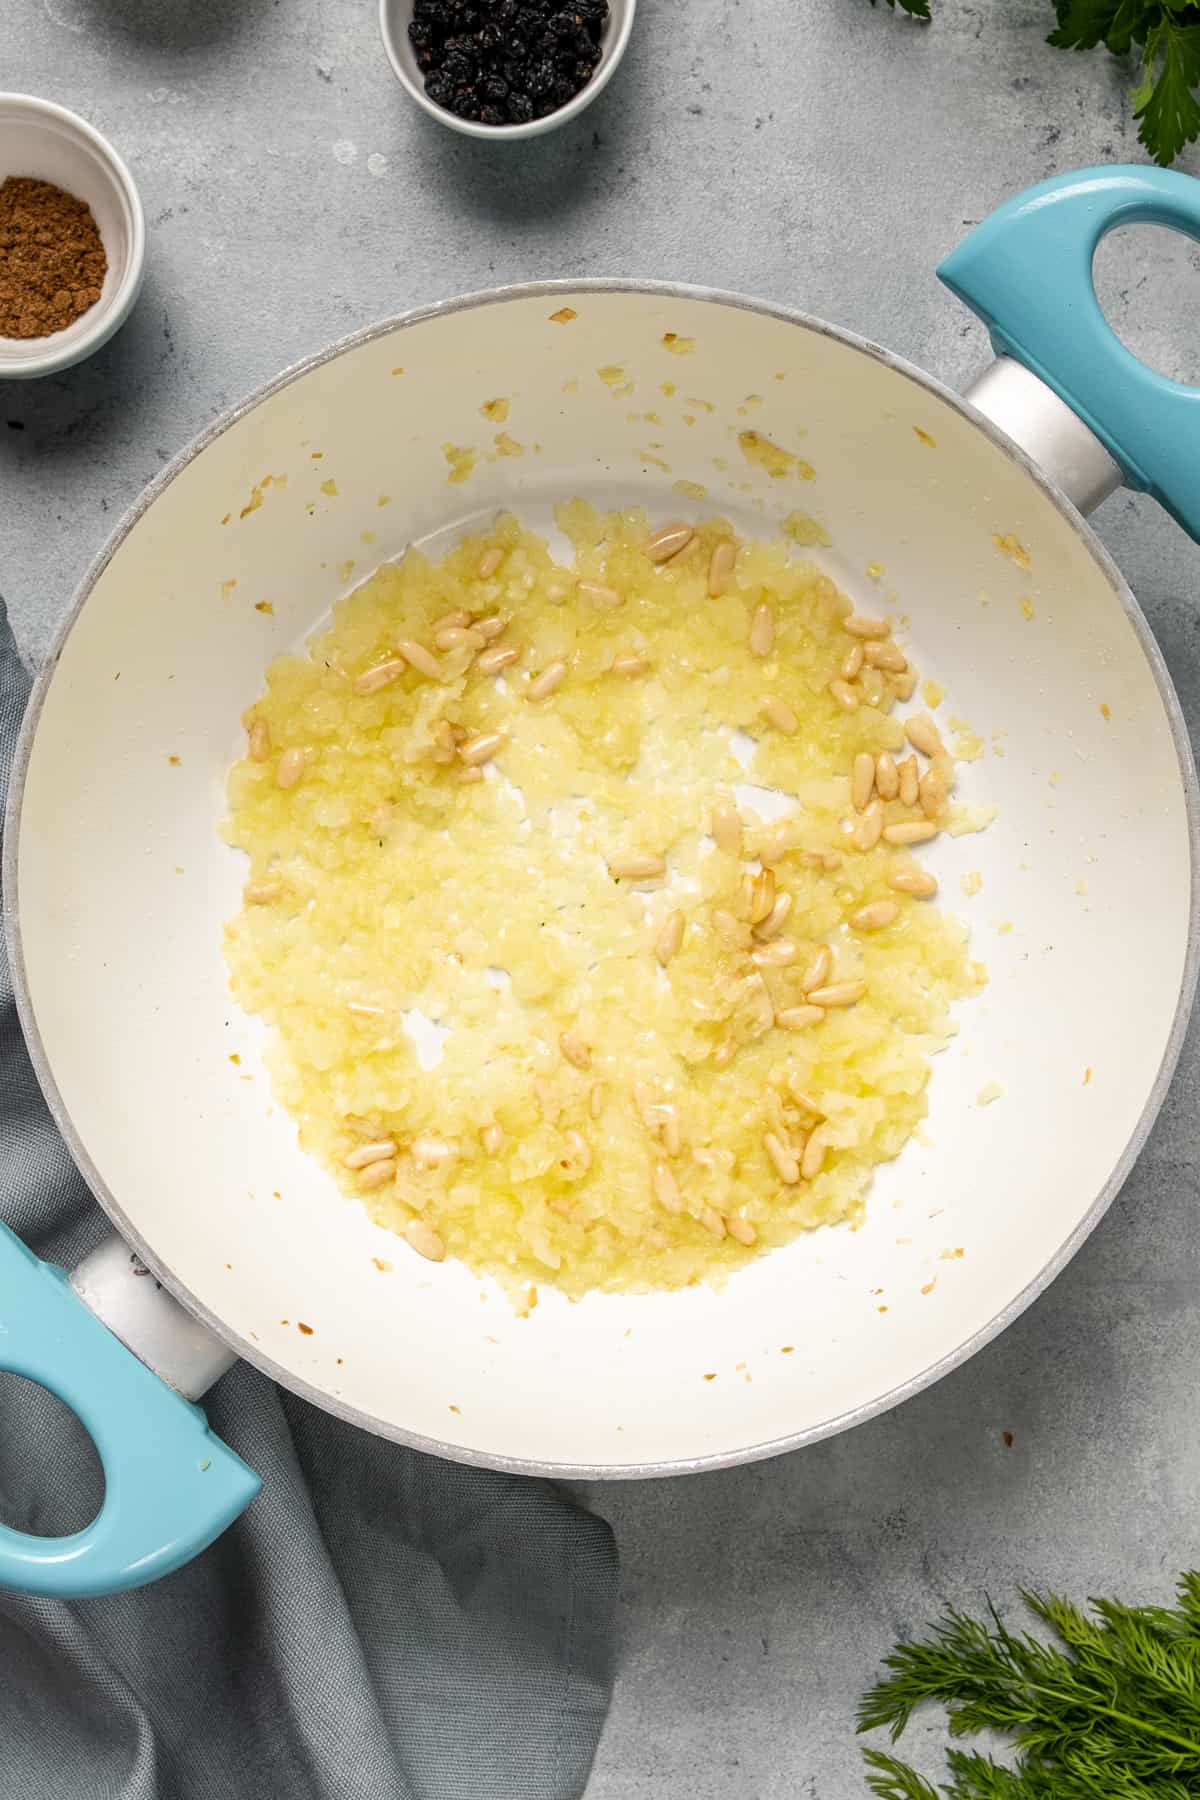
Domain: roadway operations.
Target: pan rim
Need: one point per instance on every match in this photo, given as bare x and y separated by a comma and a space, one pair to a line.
253, 1353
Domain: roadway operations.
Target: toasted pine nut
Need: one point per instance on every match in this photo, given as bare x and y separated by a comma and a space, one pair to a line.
863, 780
905, 686
816, 970
910, 831
629, 665
875, 916
636, 868
814, 1154
420, 1236
917, 882
841, 993
492, 626
933, 793
777, 953
762, 895
550, 679
481, 748
420, 659
599, 594
575, 1050
775, 920
808, 1103
290, 768
371, 1153
779, 714
489, 562
712, 1222
258, 740
923, 734
376, 1173
261, 893
497, 657
798, 1018
786, 1166
666, 1188
741, 1230
762, 630
887, 656
868, 828
860, 626
596, 1099
887, 776
852, 662
845, 695
458, 617
720, 568
726, 827
382, 675
669, 938
491, 1138
668, 542
910, 782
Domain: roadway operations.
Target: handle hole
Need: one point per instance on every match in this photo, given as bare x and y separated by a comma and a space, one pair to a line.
1147, 281
51, 1479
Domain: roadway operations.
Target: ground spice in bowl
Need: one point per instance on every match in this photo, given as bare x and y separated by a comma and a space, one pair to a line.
52, 260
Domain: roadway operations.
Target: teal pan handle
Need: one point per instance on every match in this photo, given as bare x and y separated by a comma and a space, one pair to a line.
171, 1487
1027, 272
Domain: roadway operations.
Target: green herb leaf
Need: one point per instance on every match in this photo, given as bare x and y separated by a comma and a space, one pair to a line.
1165, 103
1110, 1708
918, 9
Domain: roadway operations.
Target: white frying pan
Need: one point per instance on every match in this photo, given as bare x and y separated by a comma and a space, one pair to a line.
117, 884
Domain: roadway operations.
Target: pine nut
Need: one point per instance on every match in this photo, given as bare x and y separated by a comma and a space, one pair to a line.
381, 676
731, 931
876, 916
905, 686
923, 734
860, 626
491, 1139
762, 630
481, 748
887, 776
636, 868
798, 1018
371, 1153
720, 568
776, 954
726, 828
816, 970
863, 780
669, 938
814, 1154
933, 793
629, 665
886, 656
668, 542
258, 740
458, 617
917, 882
548, 682
712, 1222
868, 828
668, 1125
376, 1173
261, 893
575, 1050
666, 1188
499, 656
741, 1230
852, 662
419, 658
443, 742
779, 714
786, 1166
775, 920
289, 769
459, 637
845, 695
489, 562
599, 594
421, 1237
910, 782
842, 993
492, 626
910, 831
466, 777
762, 895
596, 1099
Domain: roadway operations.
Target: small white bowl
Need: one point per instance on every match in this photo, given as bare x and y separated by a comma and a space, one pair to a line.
49, 143
395, 17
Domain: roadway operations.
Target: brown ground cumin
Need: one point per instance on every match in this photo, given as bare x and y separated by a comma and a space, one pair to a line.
52, 261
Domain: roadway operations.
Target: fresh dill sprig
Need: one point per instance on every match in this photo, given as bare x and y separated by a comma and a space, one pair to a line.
1109, 1710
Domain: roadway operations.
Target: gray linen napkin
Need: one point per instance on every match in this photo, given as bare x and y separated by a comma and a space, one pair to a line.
378, 1626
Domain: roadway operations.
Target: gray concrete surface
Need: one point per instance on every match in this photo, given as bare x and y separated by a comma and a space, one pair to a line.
813, 151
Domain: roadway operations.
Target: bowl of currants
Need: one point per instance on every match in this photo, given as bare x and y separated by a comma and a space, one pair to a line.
504, 68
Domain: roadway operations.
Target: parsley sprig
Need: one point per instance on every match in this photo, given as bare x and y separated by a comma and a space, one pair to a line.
1110, 1709
1164, 35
